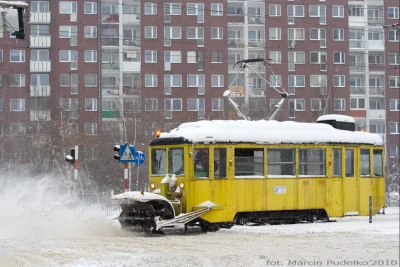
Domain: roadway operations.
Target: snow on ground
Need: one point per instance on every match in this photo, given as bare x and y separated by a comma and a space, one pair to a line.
62, 235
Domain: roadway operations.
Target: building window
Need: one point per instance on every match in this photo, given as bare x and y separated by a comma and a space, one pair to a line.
394, 127
40, 55
91, 128
17, 128
90, 56
216, 56
216, 33
68, 55
1, 55
217, 104
173, 80
40, 79
338, 57
394, 36
281, 162
295, 10
295, 34
274, 10
393, 12
195, 80
312, 162
65, 80
17, 56
275, 80
249, 162
295, 81
150, 32
90, 32
275, 57
151, 80
339, 81
318, 81
150, 56
394, 81
395, 151
374, 36
338, 11
173, 104
274, 33
195, 33
17, 104
317, 104
90, 80
394, 104
217, 9
151, 104
150, 8
357, 103
40, 30
217, 80
68, 7
394, 59
173, 9
338, 34
40, 7
90, 8
17, 80
90, 104
317, 57
195, 104
339, 104
356, 10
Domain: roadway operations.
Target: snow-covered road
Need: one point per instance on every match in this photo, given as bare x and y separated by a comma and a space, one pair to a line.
348, 239
39, 228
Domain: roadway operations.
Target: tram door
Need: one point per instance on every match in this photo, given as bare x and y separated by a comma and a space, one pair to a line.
219, 176
350, 189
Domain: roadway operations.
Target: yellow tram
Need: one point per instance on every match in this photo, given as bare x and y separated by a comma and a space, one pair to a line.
220, 173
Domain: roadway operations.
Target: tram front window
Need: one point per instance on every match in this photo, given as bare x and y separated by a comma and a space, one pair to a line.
175, 161
158, 162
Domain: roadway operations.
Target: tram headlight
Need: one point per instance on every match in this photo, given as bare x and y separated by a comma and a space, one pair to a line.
181, 185
152, 185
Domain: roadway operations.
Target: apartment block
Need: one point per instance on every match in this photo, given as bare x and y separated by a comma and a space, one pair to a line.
152, 65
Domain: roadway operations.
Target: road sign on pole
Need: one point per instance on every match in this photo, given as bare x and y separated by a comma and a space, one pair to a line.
127, 153
139, 157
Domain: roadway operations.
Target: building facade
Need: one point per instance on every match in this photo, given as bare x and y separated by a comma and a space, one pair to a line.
133, 64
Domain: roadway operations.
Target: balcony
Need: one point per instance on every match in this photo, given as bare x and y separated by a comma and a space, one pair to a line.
110, 114
110, 18
375, 22
110, 90
357, 68
131, 18
40, 17
110, 67
129, 41
40, 90
41, 41
376, 67
376, 114
235, 19
237, 90
377, 91
131, 91
131, 66
256, 44
110, 41
40, 66
357, 90
40, 115
254, 20
376, 44
356, 44
236, 43
257, 92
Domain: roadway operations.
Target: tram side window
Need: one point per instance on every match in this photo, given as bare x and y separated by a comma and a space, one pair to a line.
158, 162
349, 162
378, 168
312, 162
249, 162
175, 161
201, 159
281, 162
337, 162
219, 163
364, 156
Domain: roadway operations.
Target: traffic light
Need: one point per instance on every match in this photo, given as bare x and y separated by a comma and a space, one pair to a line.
71, 157
117, 149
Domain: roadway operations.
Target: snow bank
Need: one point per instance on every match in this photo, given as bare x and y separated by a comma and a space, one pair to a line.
268, 132
35, 208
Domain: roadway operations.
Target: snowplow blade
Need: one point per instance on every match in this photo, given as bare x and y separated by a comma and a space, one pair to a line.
181, 219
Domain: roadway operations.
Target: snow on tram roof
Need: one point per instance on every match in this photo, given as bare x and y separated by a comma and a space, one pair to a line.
336, 117
267, 132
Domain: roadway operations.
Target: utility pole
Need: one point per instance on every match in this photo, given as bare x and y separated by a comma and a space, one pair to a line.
76, 168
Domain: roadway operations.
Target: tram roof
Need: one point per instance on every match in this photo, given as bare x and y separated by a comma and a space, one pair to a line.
262, 132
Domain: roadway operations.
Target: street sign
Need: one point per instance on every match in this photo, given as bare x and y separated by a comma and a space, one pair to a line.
139, 157
127, 153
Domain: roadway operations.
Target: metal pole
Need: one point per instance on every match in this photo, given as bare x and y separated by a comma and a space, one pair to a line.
370, 209
76, 168
126, 178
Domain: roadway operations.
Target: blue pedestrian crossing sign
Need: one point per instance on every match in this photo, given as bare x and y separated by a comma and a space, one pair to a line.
128, 154
139, 157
